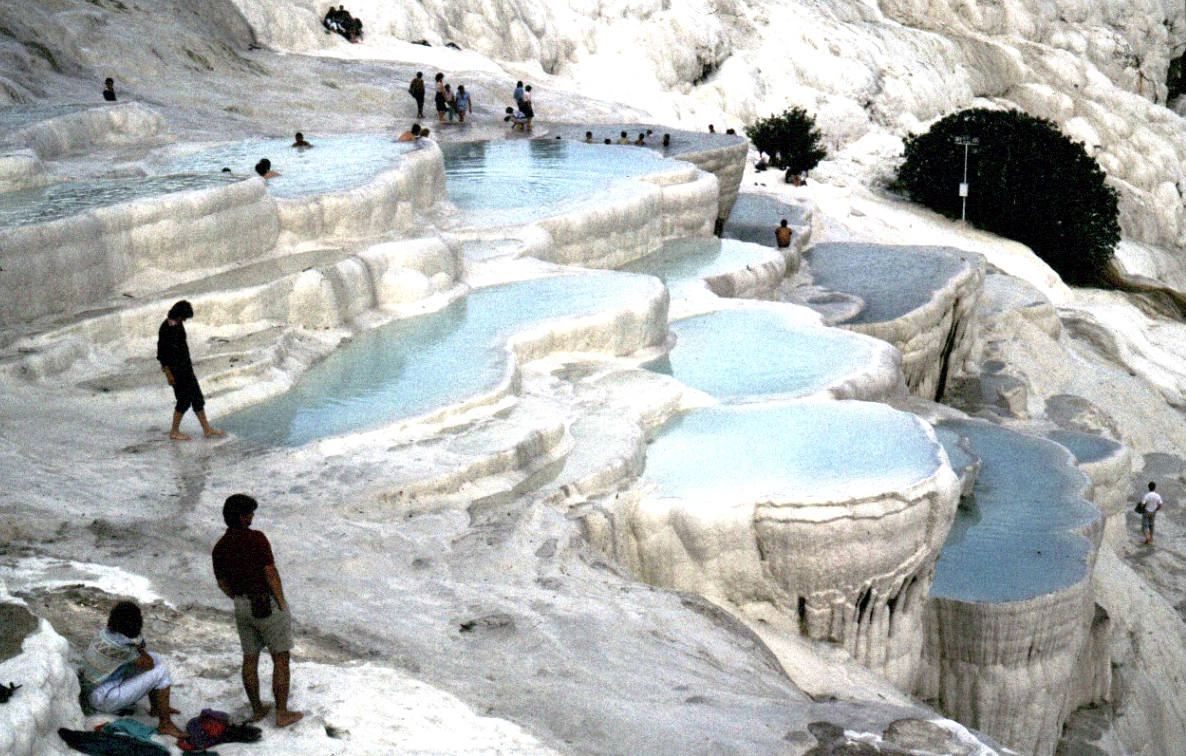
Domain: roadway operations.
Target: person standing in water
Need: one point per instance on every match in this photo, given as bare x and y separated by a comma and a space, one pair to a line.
782, 235
439, 98
462, 103
172, 351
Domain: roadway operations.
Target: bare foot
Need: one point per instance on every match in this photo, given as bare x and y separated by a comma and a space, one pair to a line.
259, 713
168, 728
286, 718
179, 436
212, 432
154, 713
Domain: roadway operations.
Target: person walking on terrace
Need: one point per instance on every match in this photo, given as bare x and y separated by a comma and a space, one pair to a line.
118, 670
246, 573
109, 90
416, 89
439, 98
782, 235
1150, 505
172, 351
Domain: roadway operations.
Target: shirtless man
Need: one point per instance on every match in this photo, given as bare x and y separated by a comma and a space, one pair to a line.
172, 351
264, 169
410, 135
300, 142
782, 235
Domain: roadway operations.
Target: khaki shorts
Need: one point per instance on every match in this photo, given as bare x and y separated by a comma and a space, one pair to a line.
273, 632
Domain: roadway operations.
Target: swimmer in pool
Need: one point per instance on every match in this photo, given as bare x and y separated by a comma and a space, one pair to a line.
410, 135
300, 142
264, 169
588, 137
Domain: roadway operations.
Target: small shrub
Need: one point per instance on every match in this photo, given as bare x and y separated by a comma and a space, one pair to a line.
1028, 181
790, 139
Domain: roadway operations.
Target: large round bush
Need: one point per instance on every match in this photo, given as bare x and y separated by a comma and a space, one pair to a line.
790, 138
1027, 181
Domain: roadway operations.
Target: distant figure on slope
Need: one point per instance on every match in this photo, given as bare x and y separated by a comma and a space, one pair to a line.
440, 97
782, 235
516, 119
109, 90
462, 103
118, 670
416, 89
264, 169
518, 95
300, 143
526, 106
410, 135
623, 138
1149, 507
172, 351
246, 572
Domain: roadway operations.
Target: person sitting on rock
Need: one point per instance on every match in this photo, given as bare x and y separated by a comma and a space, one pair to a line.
264, 169
410, 135
516, 119
118, 670
588, 137
109, 90
623, 139
782, 235
300, 142
666, 141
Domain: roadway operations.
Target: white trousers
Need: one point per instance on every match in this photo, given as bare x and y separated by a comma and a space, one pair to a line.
116, 695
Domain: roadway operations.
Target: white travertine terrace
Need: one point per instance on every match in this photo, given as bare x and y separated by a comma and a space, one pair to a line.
20, 169
88, 127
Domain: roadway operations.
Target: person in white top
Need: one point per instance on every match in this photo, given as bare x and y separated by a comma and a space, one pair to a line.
1150, 505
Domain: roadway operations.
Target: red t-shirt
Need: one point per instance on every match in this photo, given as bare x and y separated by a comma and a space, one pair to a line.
240, 557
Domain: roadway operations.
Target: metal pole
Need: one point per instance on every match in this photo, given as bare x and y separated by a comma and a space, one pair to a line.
964, 208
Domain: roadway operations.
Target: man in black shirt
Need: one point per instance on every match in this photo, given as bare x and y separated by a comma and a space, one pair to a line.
109, 90
172, 352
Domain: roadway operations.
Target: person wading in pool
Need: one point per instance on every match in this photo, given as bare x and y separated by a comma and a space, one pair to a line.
264, 169
409, 135
172, 351
782, 235
300, 142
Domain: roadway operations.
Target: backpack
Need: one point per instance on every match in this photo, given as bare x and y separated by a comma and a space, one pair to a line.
1140, 507
211, 728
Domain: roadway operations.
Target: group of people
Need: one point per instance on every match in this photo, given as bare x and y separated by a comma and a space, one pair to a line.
449, 103
118, 670
339, 21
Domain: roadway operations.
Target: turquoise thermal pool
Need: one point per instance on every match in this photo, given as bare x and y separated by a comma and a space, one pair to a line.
892, 280
1012, 538
683, 264
807, 451
754, 218
1087, 447
519, 177
333, 164
425, 363
55, 201
755, 352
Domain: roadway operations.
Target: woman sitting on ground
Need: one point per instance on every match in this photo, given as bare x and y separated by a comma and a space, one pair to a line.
118, 670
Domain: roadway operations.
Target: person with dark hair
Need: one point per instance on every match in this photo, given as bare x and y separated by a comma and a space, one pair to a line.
731, 132
518, 95
641, 141
172, 351
409, 135
1149, 506
516, 119
623, 138
416, 89
439, 99
450, 102
264, 169
782, 235
109, 90
300, 142
526, 106
666, 141
588, 137
246, 573
462, 103
118, 670
607, 140
712, 129
423, 134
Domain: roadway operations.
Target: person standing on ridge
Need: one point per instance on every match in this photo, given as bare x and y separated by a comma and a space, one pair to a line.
172, 351
1150, 505
518, 95
782, 235
109, 90
246, 573
416, 89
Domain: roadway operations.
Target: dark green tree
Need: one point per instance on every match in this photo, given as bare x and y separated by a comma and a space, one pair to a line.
1028, 181
790, 139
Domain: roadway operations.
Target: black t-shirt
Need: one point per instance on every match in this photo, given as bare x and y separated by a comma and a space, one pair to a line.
172, 350
240, 557
109, 95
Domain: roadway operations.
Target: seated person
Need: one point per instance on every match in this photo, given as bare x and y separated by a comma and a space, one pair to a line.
641, 141
300, 142
423, 134
264, 169
588, 137
516, 118
623, 139
109, 90
117, 670
409, 135
607, 140
666, 140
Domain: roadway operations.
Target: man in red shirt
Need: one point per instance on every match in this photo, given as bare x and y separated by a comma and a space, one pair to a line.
246, 572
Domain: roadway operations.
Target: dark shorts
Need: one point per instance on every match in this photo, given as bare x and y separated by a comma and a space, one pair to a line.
1147, 521
187, 392
440, 100
528, 111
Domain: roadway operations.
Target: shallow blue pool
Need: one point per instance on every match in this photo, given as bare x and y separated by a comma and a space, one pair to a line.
425, 363
1011, 539
333, 164
682, 264
758, 352
55, 201
806, 449
523, 179
1087, 447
